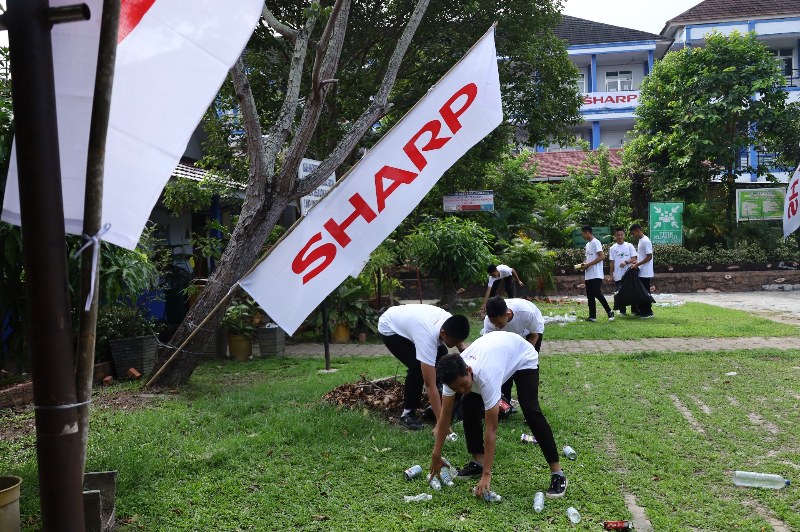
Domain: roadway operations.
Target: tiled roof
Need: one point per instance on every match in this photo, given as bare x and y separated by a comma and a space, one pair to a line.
186, 170
720, 10
581, 31
555, 165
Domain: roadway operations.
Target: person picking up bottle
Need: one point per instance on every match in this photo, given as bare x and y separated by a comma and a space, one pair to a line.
418, 335
477, 374
504, 273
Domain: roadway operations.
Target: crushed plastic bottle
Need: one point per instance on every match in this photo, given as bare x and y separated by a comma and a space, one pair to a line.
573, 515
569, 452
412, 472
488, 496
447, 476
538, 502
759, 480
417, 498
527, 438
451, 437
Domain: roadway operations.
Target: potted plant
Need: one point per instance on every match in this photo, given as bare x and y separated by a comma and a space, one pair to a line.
238, 320
348, 309
127, 337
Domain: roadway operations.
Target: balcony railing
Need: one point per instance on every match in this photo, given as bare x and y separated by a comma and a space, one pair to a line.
793, 79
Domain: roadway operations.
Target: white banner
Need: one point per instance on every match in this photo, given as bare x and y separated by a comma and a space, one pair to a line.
172, 57
791, 207
337, 236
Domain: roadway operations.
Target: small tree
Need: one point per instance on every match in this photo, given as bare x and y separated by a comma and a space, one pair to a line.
532, 262
701, 108
453, 250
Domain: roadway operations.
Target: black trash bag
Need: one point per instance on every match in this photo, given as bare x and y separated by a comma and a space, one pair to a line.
631, 292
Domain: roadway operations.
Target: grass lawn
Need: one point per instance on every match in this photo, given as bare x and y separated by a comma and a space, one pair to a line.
689, 320
250, 446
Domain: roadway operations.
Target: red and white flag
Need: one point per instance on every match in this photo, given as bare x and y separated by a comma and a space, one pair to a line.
791, 205
337, 236
172, 57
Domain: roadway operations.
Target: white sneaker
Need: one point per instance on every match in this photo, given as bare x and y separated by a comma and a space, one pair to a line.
611, 316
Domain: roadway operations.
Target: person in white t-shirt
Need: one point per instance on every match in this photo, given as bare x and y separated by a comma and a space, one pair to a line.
500, 272
643, 263
418, 335
477, 374
620, 257
518, 316
593, 274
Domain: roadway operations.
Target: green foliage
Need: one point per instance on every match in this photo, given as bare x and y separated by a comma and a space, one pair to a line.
238, 318
453, 250
187, 196
349, 304
532, 262
696, 112
118, 321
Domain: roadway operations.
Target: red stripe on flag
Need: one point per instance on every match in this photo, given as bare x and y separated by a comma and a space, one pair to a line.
131, 12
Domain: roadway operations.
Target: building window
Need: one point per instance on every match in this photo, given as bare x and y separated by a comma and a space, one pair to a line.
619, 80
766, 159
581, 82
784, 56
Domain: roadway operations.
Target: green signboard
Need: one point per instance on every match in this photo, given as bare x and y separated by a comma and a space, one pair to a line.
666, 223
759, 204
603, 234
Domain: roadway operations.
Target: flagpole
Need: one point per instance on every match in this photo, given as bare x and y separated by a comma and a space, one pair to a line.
49, 329
93, 213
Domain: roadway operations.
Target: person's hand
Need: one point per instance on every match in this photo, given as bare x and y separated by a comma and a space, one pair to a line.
484, 485
623, 264
610, 278
437, 463
520, 282
634, 266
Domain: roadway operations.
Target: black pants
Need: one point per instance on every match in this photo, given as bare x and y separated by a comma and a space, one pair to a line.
620, 308
508, 283
403, 350
528, 391
594, 291
506, 388
647, 308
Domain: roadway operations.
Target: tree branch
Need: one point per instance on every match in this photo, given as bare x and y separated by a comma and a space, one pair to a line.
289, 33
252, 126
322, 46
377, 108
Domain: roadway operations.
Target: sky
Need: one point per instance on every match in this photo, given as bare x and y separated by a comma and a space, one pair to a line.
645, 15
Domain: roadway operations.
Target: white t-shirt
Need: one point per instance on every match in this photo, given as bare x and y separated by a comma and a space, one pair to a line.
504, 271
595, 271
419, 323
620, 254
645, 247
493, 359
527, 319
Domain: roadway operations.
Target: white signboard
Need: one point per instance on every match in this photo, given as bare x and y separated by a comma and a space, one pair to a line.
610, 100
337, 237
472, 200
306, 202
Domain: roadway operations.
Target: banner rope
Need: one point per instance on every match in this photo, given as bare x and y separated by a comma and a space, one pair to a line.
93, 241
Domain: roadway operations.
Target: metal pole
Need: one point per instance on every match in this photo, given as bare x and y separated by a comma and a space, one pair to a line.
49, 331
326, 335
93, 210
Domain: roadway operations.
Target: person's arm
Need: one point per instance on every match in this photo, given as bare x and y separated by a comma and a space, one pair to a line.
647, 258
514, 273
600, 258
485, 299
429, 377
489, 441
533, 338
610, 268
441, 431
461, 346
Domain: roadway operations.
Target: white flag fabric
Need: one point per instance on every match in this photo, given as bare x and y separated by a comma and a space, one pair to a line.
172, 57
336, 237
791, 206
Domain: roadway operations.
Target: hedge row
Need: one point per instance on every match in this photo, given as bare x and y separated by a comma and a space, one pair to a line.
680, 256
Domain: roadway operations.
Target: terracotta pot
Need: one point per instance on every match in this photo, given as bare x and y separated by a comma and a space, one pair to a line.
240, 347
341, 334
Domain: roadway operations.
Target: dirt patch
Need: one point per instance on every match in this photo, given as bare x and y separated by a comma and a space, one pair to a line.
687, 414
777, 524
640, 520
700, 404
383, 396
759, 421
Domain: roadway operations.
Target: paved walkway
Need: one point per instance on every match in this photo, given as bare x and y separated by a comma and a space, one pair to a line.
568, 347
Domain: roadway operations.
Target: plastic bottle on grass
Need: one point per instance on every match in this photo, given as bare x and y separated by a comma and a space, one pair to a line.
417, 498
451, 437
573, 515
435, 483
569, 452
538, 501
759, 480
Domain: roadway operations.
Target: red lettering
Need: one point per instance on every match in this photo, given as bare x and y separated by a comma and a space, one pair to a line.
433, 127
301, 262
620, 99
470, 90
337, 231
397, 175
632, 97
793, 203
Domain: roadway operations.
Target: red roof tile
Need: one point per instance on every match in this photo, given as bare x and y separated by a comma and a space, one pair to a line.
555, 165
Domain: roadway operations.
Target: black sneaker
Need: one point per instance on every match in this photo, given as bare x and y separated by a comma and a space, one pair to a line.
592, 320
410, 421
646, 316
558, 486
472, 469
611, 316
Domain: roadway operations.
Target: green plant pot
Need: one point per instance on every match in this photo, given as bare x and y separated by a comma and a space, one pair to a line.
240, 347
9, 503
